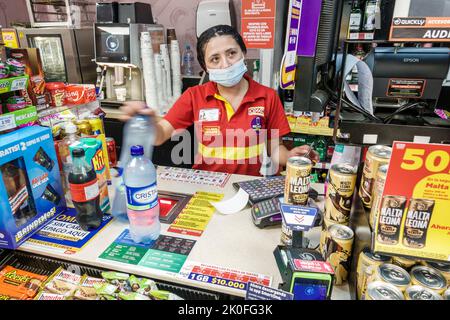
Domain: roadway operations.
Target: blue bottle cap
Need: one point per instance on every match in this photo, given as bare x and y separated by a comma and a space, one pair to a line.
137, 150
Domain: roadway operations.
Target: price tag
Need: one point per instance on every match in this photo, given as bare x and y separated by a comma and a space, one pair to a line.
368, 36
19, 84
298, 218
7, 122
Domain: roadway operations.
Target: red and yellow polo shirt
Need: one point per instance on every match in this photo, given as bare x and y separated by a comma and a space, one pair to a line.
227, 140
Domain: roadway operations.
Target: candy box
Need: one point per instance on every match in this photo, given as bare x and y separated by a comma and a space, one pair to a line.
94, 155
30, 189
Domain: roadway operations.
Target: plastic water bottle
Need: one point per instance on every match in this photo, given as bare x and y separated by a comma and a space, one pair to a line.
188, 60
137, 131
142, 197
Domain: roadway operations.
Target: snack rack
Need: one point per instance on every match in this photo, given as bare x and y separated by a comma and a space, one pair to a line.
46, 266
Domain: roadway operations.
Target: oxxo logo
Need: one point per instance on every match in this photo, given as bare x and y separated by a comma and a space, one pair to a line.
146, 195
409, 21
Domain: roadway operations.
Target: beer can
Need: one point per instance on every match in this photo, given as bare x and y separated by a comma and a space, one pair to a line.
338, 249
340, 191
443, 268
405, 263
379, 290
418, 218
112, 152
367, 259
417, 292
298, 180
42, 158
377, 195
96, 126
84, 128
446, 294
429, 278
389, 273
390, 219
376, 157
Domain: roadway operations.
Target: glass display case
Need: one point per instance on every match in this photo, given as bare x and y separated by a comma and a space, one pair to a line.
67, 13
66, 53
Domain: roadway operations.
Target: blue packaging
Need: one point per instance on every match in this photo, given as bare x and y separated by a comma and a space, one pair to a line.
31, 193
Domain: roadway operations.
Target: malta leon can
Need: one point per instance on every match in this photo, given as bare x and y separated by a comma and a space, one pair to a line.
390, 273
366, 260
417, 221
377, 195
376, 156
337, 249
429, 278
340, 192
298, 180
390, 219
379, 290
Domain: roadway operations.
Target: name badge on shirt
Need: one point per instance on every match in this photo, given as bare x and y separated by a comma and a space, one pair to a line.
208, 115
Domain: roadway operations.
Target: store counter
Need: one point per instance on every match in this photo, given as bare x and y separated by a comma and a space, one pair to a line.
229, 241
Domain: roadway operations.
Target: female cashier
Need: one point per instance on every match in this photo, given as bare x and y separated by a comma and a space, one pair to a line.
235, 118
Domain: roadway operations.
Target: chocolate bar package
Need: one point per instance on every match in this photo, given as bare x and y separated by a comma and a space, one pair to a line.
21, 281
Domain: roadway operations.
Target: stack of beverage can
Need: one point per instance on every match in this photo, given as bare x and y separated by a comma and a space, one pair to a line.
336, 240
397, 278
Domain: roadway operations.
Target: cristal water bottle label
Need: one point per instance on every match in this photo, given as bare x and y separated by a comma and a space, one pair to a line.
142, 198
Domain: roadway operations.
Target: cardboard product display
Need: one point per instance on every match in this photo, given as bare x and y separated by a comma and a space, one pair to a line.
30, 190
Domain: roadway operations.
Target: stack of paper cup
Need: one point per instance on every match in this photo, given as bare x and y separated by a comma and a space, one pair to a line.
166, 60
159, 82
148, 66
176, 68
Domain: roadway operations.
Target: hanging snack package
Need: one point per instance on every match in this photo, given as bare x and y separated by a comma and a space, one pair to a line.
142, 285
21, 281
63, 282
164, 295
86, 290
132, 296
43, 295
7, 293
118, 279
106, 291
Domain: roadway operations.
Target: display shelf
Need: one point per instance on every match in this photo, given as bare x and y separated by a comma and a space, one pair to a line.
363, 133
16, 118
13, 84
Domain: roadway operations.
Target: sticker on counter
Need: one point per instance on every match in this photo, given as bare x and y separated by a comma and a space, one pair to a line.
166, 253
182, 175
64, 234
223, 277
194, 218
259, 292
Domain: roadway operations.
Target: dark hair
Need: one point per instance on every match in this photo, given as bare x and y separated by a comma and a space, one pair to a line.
219, 30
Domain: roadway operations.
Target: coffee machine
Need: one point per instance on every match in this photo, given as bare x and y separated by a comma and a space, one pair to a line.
117, 51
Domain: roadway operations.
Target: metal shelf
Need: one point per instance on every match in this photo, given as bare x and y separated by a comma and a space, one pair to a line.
363, 133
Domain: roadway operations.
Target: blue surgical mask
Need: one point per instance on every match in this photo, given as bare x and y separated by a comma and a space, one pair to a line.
230, 76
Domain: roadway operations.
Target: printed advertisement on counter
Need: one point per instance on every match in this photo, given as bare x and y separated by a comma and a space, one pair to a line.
414, 217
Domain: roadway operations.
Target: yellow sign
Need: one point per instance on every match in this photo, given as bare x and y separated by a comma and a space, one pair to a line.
413, 218
10, 38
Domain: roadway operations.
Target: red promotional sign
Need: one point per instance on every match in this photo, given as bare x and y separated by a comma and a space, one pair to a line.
413, 218
258, 23
313, 266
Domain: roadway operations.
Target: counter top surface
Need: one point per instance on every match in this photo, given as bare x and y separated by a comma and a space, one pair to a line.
229, 241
